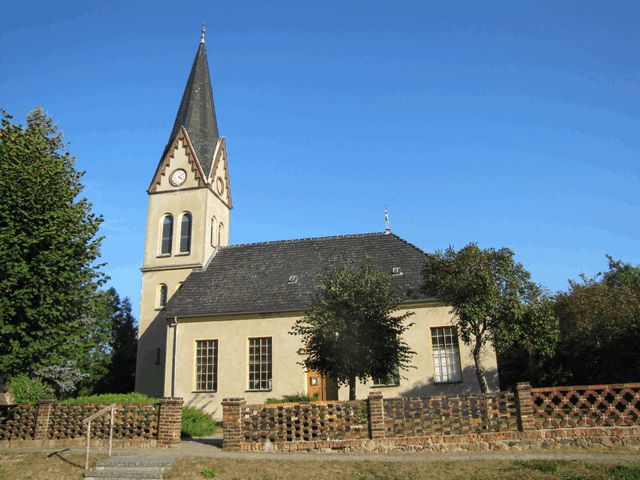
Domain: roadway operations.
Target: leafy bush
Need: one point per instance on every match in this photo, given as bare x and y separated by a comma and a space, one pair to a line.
25, 389
107, 398
196, 423
296, 397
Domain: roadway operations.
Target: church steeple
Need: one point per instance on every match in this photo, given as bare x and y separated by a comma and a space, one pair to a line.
187, 219
197, 113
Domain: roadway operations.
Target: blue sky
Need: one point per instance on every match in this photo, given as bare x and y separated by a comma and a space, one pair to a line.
503, 123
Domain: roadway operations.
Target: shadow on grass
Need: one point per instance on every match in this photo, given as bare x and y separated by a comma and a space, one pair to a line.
58, 454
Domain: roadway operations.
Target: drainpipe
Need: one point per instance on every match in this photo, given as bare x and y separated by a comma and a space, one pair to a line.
174, 355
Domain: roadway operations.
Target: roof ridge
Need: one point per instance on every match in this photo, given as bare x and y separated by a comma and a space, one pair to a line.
292, 240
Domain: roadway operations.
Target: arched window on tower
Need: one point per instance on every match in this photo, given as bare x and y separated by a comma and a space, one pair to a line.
162, 295
220, 233
167, 235
214, 232
185, 233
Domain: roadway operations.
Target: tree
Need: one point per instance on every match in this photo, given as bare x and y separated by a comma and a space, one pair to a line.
123, 345
348, 330
600, 325
494, 301
49, 248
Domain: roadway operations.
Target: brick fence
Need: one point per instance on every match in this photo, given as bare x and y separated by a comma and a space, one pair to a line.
51, 424
601, 415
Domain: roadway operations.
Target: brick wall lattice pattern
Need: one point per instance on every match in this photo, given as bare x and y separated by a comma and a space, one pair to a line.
305, 421
586, 406
450, 415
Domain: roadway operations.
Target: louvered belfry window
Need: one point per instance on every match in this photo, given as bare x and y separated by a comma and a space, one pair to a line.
260, 355
167, 233
446, 355
207, 365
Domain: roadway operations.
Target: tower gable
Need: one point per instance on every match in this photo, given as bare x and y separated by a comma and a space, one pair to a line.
179, 156
219, 179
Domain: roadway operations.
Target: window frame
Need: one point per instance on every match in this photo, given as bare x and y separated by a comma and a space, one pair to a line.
214, 231
163, 236
452, 375
394, 376
163, 295
251, 382
220, 233
213, 368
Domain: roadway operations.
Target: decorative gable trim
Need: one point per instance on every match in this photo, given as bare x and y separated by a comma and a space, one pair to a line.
192, 158
221, 156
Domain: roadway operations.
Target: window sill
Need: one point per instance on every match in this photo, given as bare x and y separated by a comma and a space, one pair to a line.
258, 390
386, 386
457, 382
204, 391
182, 254
163, 255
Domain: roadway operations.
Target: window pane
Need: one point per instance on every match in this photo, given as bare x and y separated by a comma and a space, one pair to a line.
260, 363
167, 233
446, 355
163, 295
185, 233
207, 365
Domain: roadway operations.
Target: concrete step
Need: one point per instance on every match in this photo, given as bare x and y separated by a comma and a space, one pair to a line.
125, 468
122, 474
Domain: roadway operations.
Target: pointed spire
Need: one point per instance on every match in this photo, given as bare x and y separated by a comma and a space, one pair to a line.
387, 230
202, 32
197, 113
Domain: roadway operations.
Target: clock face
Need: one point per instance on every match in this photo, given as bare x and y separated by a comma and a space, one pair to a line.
220, 185
178, 177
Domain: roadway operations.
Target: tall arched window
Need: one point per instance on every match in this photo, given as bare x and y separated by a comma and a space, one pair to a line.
162, 295
185, 233
167, 234
214, 232
220, 233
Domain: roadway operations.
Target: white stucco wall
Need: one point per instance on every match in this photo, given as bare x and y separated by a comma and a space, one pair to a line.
289, 377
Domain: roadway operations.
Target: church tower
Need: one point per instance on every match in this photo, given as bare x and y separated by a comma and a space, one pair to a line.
187, 216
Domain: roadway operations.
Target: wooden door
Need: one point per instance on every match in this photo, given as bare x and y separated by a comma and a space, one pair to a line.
324, 388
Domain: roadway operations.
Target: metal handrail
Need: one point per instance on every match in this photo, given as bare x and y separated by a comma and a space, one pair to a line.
87, 421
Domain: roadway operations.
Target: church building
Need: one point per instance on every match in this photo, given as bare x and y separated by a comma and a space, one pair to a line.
215, 317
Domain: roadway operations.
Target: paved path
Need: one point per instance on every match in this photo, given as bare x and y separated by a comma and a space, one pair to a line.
210, 448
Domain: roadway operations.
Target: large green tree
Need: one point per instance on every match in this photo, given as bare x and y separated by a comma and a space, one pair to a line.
600, 325
49, 248
349, 331
494, 301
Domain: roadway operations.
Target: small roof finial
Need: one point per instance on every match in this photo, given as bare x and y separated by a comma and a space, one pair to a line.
202, 32
387, 230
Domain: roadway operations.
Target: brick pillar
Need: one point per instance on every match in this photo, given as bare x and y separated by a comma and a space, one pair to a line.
232, 423
45, 407
376, 415
525, 407
169, 421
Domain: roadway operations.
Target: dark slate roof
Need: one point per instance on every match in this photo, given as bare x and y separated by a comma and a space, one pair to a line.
197, 113
253, 278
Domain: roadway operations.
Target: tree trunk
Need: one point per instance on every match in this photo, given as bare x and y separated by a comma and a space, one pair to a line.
477, 359
352, 388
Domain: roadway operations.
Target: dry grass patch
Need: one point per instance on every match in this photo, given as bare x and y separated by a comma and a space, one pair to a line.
229, 469
37, 466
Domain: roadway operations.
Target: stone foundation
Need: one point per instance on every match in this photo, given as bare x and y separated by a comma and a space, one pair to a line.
607, 437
